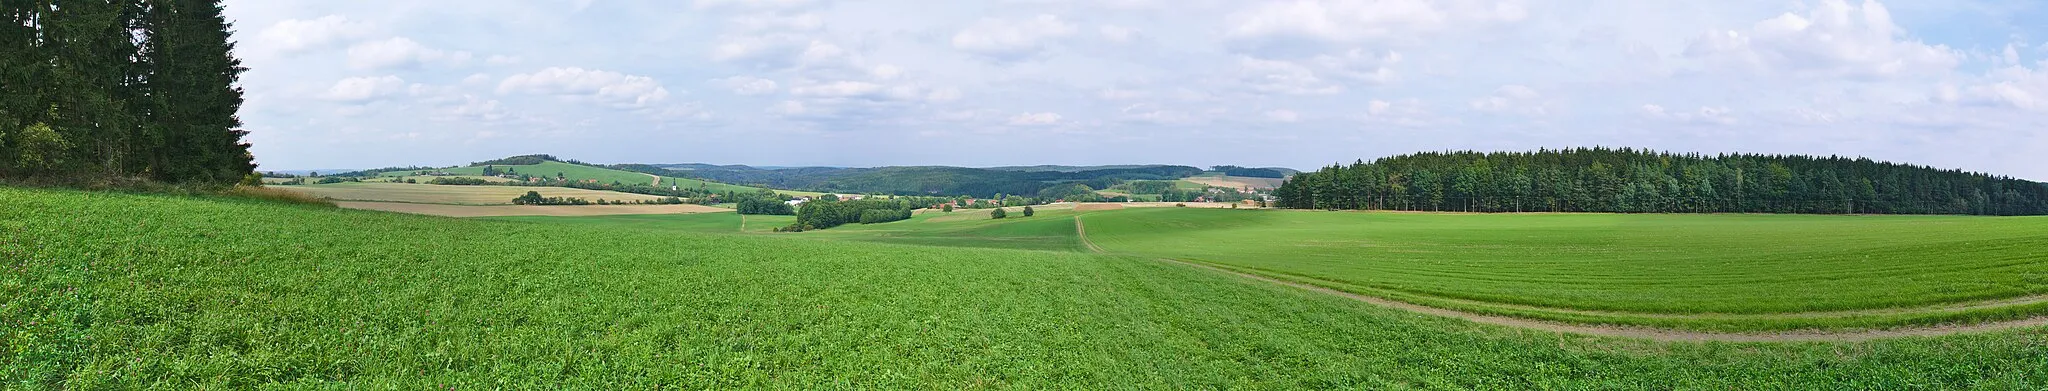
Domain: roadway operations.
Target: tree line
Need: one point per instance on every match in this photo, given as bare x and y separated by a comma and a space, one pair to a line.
1641, 181
828, 212
100, 90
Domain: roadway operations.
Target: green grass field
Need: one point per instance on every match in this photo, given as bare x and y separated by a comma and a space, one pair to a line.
1718, 272
1740, 273
126, 291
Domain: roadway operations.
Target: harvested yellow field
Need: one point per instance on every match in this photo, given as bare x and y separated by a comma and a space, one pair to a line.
528, 210
451, 195
1236, 182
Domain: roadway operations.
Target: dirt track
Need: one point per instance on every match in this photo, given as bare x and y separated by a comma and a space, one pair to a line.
1667, 335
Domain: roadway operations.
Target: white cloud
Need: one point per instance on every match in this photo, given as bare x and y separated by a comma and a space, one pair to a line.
1117, 34
1276, 24
1834, 39
789, 107
1404, 112
1283, 116
617, 89
1513, 99
1705, 115
1282, 77
298, 35
1357, 65
473, 108
1120, 94
503, 60
365, 89
1011, 40
2017, 87
943, 95
804, 22
744, 85
837, 89
401, 52
1035, 119
754, 5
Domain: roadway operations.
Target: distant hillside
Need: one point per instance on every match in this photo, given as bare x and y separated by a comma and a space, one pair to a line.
1641, 181
1056, 168
553, 171
925, 180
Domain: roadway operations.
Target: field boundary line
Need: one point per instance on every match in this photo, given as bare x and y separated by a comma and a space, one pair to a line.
1656, 334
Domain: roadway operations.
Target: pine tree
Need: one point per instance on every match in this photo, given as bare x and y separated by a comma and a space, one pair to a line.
195, 84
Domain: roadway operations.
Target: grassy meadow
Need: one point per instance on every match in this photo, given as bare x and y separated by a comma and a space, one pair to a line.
1739, 273
128, 291
1723, 272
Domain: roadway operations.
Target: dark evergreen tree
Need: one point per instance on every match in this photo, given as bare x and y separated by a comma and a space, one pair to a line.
1638, 181
120, 88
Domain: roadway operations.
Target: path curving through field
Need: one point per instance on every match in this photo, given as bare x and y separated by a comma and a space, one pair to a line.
1665, 335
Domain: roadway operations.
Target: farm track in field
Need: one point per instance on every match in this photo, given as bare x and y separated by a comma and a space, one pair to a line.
1667, 335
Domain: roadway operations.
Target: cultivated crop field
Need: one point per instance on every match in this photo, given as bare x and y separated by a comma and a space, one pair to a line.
528, 210
451, 195
579, 172
127, 291
550, 169
1712, 272
1234, 182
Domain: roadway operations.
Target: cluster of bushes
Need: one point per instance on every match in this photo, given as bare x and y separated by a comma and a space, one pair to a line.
336, 179
999, 213
755, 205
525, 160
827, 213
534, 198
878, 216
459, 181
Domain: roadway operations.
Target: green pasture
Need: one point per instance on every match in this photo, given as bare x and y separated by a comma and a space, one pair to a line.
1700, 272
1725, 272
113, 291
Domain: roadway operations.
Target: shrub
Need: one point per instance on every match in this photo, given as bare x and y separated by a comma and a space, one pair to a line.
1028, 212
998, 213
459, 181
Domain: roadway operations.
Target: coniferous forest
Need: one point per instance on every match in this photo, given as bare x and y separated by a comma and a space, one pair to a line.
1640, 181
105, 90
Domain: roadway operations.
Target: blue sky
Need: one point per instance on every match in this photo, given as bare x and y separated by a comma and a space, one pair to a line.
1953, 84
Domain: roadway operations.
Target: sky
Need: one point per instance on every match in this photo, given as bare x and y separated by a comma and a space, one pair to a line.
1305, 83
